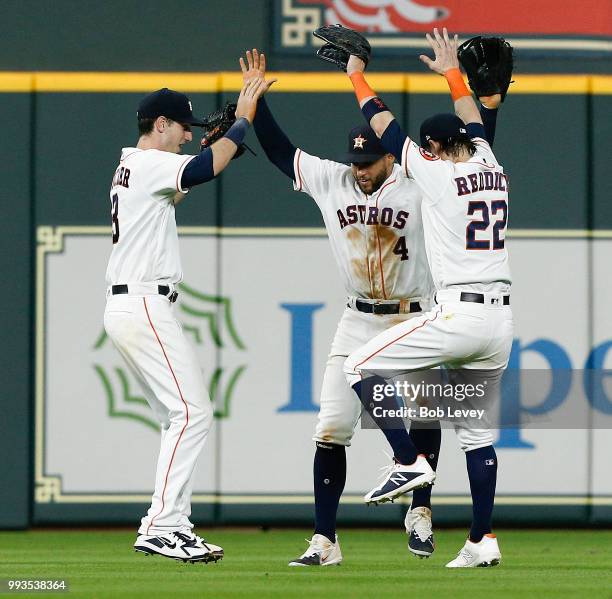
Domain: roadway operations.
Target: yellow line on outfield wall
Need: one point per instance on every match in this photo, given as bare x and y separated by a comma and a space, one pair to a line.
321, 82
105, 82
124, 82
16, 82
601, 84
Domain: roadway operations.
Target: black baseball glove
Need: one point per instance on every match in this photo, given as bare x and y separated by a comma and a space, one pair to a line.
341, 42
216, 125
488, 62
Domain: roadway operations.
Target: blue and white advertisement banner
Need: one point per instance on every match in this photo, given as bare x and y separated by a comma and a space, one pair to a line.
261, 308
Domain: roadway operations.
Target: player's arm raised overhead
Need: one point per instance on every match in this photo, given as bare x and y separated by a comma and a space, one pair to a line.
310, 174
479, 123
212, 160
246, 108
445, 62
489, 106
374, 109
275, 143
376, 113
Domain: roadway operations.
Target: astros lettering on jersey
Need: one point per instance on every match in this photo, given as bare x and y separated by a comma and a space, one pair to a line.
377, 240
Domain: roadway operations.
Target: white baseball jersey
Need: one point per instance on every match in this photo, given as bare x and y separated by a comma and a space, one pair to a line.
145, 240
465, 214
377, 240
144, 330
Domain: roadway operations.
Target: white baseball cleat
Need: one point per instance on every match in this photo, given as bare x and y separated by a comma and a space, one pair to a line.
399, 479
321, 552
478, 555
182, 546
420, 533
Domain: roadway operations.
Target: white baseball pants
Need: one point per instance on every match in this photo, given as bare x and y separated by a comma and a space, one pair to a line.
151, 340
340, 407
473, 339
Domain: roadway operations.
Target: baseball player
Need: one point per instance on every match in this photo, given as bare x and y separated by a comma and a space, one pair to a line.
143, 271
372, 216
470, 329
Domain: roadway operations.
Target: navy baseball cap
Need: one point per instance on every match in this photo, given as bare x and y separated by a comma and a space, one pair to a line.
363, 146
441, 126
166, 102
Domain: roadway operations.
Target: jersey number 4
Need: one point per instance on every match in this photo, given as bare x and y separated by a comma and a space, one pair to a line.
115, 217
498, 207
400, 249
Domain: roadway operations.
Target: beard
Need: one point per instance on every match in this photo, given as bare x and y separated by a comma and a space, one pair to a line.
374, 184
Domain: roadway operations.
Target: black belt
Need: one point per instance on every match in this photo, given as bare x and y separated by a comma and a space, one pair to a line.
479, 298
394, 308
161, 289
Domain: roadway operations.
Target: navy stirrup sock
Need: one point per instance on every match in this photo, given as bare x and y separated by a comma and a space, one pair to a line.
393, 427
482, 472
427, 438
329, 478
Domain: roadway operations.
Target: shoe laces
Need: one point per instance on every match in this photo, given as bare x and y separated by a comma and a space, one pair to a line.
187, 540
421, 525
387, 469
315, 547
190, 539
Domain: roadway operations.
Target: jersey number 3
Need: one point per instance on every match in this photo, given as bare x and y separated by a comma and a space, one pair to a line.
498, 207
115, 217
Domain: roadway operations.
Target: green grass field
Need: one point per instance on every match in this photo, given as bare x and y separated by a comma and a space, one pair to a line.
100, 563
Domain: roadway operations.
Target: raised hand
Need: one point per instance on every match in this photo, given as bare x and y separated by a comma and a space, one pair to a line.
255, 67
445, 52
251, 91
355, 65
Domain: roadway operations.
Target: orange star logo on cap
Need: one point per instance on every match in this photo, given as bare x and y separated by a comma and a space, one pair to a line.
358, 142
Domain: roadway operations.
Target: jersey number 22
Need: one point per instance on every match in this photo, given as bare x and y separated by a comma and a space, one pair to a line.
498, 208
